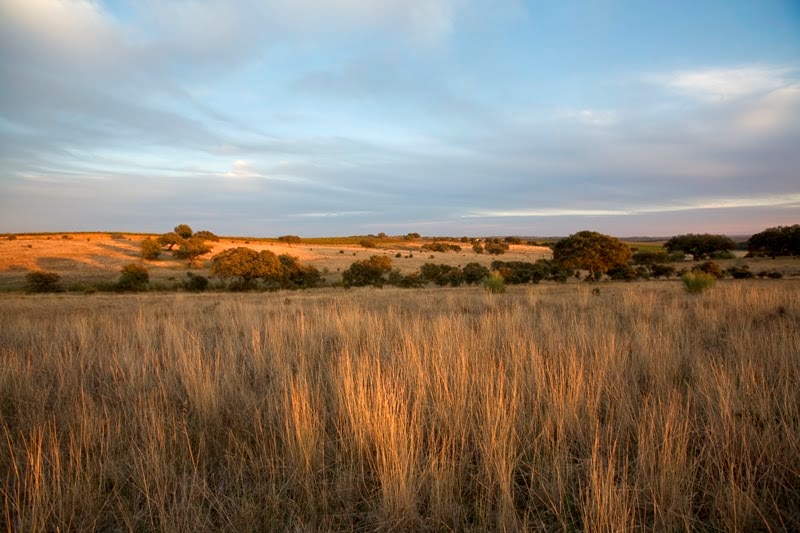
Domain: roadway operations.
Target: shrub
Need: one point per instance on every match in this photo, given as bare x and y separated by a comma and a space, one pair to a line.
650, 258
477, 248
662, 271
195, 282
709, 267
696, 282
41, 281
623, 273
742, 272
117, 236
722, 254
494, 283
368, 243
134, 277
151, 249
474, 273
11, 238
367, 272
495, 248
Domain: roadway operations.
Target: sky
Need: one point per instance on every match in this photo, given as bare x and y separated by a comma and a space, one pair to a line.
443, 117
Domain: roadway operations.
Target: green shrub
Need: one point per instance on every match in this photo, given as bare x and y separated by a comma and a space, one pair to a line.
494, 283
41, 281
696, 282
134, 277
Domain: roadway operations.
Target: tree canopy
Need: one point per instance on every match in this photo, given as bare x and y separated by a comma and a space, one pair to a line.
591, 251
183, 230
246, 264
191, 249
777, 241
699, 245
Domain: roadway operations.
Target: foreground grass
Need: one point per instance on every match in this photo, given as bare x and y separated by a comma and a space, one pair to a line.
637, 408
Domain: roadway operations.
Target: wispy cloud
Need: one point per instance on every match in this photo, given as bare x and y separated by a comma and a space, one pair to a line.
722, 84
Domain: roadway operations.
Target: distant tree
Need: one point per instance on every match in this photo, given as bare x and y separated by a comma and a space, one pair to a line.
699, 245
513, 240
368, 243
382, 235
477, 247
170, 240
133, 277
183, 230
368, 271
206, 236
774, 242
290, 239
41, 281
247, 265
411, 236
474, 273
151, 249
591, 251
191, 249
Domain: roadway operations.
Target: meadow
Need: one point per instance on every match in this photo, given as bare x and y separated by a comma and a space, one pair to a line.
635, 406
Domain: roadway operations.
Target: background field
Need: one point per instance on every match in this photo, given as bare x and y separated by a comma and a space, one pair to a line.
96, 257
636, 408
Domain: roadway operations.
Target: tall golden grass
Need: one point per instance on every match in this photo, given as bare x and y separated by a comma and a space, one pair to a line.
638, 408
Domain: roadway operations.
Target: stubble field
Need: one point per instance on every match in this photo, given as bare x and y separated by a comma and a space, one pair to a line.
548, 408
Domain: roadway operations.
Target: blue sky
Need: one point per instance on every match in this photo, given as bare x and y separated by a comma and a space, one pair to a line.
456, 117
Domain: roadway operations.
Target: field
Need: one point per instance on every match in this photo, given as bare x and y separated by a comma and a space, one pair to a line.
555, 407
92, 258
96, 257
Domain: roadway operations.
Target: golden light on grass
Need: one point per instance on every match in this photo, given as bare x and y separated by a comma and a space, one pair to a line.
639, 408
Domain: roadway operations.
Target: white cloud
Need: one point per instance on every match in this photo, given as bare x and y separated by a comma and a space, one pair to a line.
721, 84
783, 200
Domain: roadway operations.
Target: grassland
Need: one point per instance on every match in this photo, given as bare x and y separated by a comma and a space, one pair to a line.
548, 408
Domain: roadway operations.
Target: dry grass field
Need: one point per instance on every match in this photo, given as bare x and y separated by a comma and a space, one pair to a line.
548, 408
97, 257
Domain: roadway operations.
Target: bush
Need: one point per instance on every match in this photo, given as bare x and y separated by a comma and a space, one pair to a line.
151, 249
477, 248
709, 267
474, 273
41, 281
494, 283
206, 236
290, 239
742, 272
195, 282
662, 271
134, 277
495, 248
368, 243
11, 238
722, 254
117, 236
367, 272
696, 282
650, 258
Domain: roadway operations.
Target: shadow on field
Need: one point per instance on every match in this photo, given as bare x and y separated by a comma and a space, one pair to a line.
58, 263
131, 250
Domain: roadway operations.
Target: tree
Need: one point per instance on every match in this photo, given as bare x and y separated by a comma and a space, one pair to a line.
191, 249
477, 247
368, 243
699, 245
368, 271
442, 274
151, 249
170, 240
290, 239
774, 242
133, 277
591, 251
495, 247
183, 230
247, 264
206, 236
